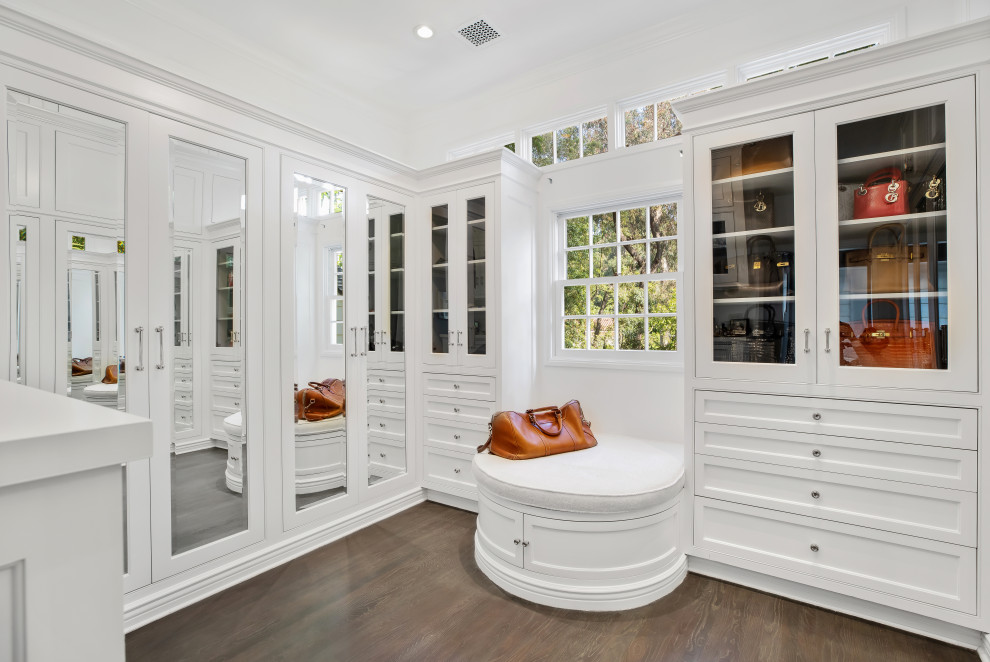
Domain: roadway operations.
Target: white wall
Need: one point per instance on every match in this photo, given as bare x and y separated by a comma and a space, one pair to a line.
646, 402
728, 35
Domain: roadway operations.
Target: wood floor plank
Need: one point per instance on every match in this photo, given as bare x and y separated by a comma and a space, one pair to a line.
407, 590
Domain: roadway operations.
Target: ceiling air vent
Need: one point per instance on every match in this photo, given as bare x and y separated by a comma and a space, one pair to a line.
479, 32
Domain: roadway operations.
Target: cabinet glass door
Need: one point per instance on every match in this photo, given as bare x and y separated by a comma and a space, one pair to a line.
902, 208
394, 341
760, 267
442, 345
476, 331
226, 291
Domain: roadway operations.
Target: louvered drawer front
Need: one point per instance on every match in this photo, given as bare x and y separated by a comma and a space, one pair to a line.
386, 454
464, 411
931, 512
937, 573
461, 439
473, 387
950, 427
390, 427
386, 401
910, 463
389, 380
452, 470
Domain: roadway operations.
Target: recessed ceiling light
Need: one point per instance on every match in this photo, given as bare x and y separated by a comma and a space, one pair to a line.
424, 31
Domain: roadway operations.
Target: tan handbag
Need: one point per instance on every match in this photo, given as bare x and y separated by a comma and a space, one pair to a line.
110, 375
539, 432
889, 266
322, 400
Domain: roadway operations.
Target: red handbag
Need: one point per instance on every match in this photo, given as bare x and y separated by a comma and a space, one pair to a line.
883, 194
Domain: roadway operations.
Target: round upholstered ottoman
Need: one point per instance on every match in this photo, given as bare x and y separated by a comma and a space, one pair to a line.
594, 530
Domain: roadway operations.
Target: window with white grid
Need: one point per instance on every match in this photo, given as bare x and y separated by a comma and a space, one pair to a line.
618, 278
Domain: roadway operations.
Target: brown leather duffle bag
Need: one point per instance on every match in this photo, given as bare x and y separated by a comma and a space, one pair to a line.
539, 432
322, 400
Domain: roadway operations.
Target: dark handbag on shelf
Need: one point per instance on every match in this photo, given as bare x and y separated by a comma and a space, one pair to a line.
758, 211
539, 432
885, 193
767, 155
933, 198
888, 343
761, 265
322, 400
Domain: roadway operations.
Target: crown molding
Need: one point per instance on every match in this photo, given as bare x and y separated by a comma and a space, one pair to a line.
500, 156
881, 55
68, 41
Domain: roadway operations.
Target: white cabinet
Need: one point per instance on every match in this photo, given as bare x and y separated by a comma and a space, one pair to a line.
227, 294
386, 284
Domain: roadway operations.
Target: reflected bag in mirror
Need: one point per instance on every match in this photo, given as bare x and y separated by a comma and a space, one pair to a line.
322, 400
885, 193
758, 211
886, 342
761, 264
766, 155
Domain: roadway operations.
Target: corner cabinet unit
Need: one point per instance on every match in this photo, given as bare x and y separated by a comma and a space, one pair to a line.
479, 302
836, 376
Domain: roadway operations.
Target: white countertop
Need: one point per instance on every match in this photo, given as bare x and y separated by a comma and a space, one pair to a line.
43, 435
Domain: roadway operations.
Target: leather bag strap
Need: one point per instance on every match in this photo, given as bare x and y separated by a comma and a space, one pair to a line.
557, 414
893, 174
896, 229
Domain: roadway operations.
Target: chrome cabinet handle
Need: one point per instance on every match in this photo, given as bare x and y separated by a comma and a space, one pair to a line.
807, 336
140, 331
828, 348
516, 541
457, 471
364, 346
459, 343
354, 353
161, 347
525, 543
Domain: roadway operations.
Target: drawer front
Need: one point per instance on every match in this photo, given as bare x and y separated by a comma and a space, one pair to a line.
183, 380
226, 369
228, 384
453, 437
930, 512
389, 380
387, 455
462, 411
387, 401
950, 427
224, 400
910, 463
183, 418
389, 427
924, 570
183, 397
445, 469
472, 387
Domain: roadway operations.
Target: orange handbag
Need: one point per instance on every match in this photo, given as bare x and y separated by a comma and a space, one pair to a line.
539, 432
888, 343
321, 401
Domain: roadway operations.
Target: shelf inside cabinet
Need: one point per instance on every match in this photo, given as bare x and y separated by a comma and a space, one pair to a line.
770, 299
914, 162
899, 218
770, 178
892, 295
746, 233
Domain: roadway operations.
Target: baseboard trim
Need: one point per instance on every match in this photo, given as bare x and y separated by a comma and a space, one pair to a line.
844, 604
149, 608
182, 447
984, 648
453, 500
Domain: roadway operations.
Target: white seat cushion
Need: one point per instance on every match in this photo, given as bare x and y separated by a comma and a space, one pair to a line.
101, 391
233, 426
619, 475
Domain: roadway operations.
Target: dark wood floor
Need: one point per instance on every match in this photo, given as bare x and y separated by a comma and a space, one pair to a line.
407, 589
204, 509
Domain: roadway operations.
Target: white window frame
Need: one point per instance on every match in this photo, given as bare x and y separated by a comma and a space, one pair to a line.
597, 113
828, 49
328, 319
617, 358
668, 93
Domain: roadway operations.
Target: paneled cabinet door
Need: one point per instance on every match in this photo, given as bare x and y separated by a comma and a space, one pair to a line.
386, 283
755, 255
461, 277
897, 276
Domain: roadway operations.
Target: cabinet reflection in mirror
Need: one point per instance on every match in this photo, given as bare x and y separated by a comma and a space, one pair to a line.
319, 424
208, 463
386, 340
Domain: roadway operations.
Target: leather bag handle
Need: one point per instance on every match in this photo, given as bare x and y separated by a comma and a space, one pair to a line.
891, 228
893, 174
869, 306
557, 414
752, 241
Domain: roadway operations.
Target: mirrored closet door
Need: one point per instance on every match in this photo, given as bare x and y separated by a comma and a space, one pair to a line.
76, 295
207, 492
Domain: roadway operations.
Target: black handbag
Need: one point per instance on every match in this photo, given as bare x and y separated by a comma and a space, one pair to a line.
761, 265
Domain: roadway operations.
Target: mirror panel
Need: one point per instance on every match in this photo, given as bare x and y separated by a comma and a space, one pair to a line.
319, 425
208, 462
387, 455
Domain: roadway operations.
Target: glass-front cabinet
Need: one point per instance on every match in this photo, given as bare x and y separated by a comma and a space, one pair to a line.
460, 245
386, 282
840, 243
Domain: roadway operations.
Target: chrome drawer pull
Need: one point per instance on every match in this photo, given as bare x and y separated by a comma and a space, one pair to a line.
382, 454
807, 347
457, 386
457, 436
380, 401
456, 410
816, 453
817, 416
516, 541
457, 471
814, 547
381, 425
816, 494
525, 543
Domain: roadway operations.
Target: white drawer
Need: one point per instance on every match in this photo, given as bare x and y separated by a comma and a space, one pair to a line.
387, 455
183, 418
446, 469
226, 368
930, 512
388, 426
473, 387
462, 411
183, 396
183, 380
911, 463
227, 401
388, 380
229, 384
933, 572
950, 427
386, 401
453, 437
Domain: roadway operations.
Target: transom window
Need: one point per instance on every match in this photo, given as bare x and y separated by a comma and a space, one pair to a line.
654, 121
618, 279
567, 143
